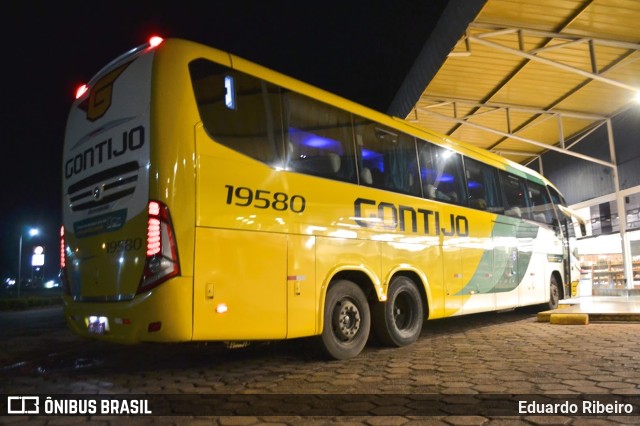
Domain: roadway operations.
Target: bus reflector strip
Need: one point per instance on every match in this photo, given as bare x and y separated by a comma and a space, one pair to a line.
296, 277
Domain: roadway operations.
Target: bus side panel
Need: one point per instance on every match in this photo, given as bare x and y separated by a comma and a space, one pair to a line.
547, 243
532, 287
240, 285
301, 286
175, 113
452, 276
530, 260
467, 261
505, 263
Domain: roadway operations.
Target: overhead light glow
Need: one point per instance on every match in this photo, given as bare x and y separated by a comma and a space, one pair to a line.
637, 97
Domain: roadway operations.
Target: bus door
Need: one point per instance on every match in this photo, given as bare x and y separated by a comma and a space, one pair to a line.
570, 262
505, 263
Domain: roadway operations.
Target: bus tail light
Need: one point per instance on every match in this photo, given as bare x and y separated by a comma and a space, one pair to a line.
63, 263
63, 259
162, 251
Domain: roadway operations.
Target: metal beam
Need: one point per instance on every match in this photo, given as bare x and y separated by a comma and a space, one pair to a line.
440, 101
627, 261
520, 138
501, 30
559, 65
444, 100
516, 153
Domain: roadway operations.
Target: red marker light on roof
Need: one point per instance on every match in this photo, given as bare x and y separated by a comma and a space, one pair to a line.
81, 90
155, 41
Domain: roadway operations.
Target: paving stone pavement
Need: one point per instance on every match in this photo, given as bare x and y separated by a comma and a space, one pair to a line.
471, 365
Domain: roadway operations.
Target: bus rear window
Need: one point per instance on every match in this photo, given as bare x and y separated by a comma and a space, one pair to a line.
239, 111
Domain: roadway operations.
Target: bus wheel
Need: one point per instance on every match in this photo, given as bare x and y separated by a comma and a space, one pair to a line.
346, 321
554, 293
398, 321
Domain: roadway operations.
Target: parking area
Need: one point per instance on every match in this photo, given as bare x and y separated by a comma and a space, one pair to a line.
467, 370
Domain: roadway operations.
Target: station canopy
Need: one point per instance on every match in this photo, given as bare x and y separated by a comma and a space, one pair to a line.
529, 76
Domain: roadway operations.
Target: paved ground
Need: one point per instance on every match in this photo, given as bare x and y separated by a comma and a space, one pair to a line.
470, 370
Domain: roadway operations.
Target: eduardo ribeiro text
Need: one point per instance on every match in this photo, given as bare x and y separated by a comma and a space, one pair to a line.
578, 407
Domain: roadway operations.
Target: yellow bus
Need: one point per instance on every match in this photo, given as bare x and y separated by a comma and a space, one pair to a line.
207, 198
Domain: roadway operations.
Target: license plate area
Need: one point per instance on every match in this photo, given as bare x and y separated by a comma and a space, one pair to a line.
98, 325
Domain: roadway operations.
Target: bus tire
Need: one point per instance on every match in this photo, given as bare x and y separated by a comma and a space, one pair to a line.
554, 293
347, 321
398, 321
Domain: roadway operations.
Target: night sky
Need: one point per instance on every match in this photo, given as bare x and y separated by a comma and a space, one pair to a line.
49, 48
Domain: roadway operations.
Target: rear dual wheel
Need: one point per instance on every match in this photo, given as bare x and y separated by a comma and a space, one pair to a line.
398, 321
347, 318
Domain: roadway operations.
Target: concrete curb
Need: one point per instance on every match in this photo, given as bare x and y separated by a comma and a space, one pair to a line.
569, 319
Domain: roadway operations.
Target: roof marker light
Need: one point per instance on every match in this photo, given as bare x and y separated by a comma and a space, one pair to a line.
81, 90
155, 41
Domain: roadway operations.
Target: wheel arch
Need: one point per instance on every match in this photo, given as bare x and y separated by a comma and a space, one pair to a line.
363, 278
374, 290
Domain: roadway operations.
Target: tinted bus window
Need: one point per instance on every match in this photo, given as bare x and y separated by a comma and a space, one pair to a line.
482, 186
441, 173
239, 111
319, 138
386, 158
541, 209
556, 197
514, 192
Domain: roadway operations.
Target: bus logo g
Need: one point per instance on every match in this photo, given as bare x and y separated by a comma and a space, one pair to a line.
101, 93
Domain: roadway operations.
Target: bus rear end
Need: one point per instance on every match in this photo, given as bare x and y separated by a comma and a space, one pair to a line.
119, 253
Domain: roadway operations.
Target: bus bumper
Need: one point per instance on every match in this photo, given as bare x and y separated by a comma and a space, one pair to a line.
163, 314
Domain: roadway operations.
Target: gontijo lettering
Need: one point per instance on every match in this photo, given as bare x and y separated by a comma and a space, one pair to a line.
392, 216
105, 150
